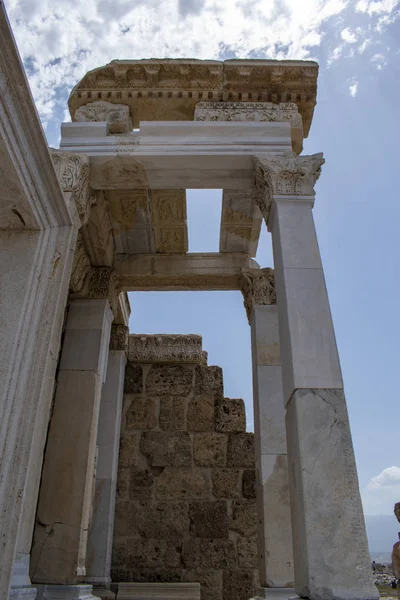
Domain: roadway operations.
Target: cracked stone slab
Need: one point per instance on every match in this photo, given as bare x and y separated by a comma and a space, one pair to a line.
326, 505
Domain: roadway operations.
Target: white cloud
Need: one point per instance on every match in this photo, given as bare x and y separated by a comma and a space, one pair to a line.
353, 88
348, 36
389, 477
60, 41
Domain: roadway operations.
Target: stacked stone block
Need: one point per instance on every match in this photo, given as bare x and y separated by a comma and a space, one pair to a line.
186, 507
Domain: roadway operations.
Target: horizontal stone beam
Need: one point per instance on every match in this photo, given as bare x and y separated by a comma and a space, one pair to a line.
165, 348
180, 272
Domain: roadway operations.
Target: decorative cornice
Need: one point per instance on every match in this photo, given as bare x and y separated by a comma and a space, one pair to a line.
80, 267
167, 89
165, 348
115, 115
285, 175
119, 337
258, 288
73, 175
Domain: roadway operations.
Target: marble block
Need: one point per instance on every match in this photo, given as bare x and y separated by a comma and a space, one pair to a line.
329, 539
275, 594
65, 592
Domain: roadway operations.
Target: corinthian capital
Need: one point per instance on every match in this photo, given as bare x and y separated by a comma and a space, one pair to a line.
257, 287
73, 175
119, 337
286, 175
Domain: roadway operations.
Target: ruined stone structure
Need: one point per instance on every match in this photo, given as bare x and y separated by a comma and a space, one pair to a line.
186, 508
106, 214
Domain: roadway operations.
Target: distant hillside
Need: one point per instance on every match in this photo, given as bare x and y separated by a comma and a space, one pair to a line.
382, 534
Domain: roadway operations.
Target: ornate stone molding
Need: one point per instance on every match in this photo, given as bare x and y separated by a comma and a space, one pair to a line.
116, 115
103, 284
167, 89
258, 288
73, 175
285, 175
119, 337
165, 348
80, 268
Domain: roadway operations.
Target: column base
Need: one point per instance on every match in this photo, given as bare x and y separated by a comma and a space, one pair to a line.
275, 594
23, 593
65, 592
161, 591
103, 592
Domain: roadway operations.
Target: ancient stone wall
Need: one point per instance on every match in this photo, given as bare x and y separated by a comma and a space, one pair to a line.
185, 506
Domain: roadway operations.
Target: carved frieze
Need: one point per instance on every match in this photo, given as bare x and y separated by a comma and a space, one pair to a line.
165, 348
119, 337
73, 174
248, 111
80, 267
285, 175
257, 287
116, 115
168, 209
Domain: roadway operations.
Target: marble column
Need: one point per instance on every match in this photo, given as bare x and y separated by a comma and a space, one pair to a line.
273, 501
100, 539
65, 496
330, 547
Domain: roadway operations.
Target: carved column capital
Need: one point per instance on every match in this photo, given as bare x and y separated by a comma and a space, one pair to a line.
73, 175
258, 288
285, 175
119, 337
103, 284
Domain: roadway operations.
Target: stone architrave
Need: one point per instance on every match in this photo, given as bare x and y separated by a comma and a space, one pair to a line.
331, 554
273, 500
65, 497
254, 111
100, 538
37, 240
116, 116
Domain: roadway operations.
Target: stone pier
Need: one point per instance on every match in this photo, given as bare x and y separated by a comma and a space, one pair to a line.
273, 500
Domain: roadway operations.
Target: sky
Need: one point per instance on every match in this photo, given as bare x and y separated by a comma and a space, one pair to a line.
357, 211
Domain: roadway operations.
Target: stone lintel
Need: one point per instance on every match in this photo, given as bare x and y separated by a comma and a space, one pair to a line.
169, 89
192, 271
165, 348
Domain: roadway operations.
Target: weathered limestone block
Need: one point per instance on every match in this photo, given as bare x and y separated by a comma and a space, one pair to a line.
225, 483
173, 413
244, 517
123, 480
167, 449
183, 483
133, 379
129, 449
208, 519
141, 483
191, 553
200, 415
153, 553
247, 553
241, 451
208, 380
249, 483
209, 449
142, 413
117, 116
165, 520
119, 552
165, 380
160, 575
125, 519
218, 554
238, 584
210, 582
230, 415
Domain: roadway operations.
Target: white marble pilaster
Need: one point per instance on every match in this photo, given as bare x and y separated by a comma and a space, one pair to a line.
99, 549
330, 547
65, 497
273, 501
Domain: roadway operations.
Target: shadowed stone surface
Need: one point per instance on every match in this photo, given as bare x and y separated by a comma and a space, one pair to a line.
164, 380
209, 449
200, 416
208, 519
133, 379
241, 451
230, 415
